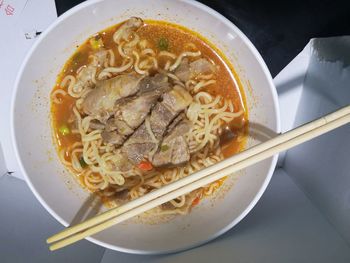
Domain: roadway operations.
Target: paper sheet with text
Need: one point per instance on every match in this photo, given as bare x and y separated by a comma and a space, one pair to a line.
21, 22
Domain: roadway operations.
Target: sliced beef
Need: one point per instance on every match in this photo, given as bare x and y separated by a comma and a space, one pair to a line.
134, 112
87, 74
112, 137
100, 102
174, 149
137, 147
160, 118
177, 99
123, 128
99, 58
85, 78
96, 125
185, 71
147, 137
157, 83
130, 116
164, 113
121, 162
131, 112
124, 31
111, 125
201, 66
175, 122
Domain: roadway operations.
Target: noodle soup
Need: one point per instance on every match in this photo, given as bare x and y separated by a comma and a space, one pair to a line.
142, 104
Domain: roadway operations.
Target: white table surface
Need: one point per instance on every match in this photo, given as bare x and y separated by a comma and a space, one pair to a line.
283, 227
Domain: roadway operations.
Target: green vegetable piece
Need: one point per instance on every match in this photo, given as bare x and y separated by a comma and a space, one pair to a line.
82, 162
164, 148
96, 42
64, 130
163, 44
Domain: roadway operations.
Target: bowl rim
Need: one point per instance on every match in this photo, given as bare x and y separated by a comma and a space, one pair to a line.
251, 205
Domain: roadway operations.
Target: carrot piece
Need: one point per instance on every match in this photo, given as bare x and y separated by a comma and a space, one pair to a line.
196, 201
145, 166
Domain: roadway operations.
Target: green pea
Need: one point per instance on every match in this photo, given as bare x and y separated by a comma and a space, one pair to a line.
82, 162
64, 130
164, 148
163, 44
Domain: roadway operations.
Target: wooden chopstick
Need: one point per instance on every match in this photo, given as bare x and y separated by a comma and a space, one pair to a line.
203, 177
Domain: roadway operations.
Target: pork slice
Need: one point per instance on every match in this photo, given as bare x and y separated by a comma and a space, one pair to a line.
111, 125
183, 71
112, 137
174, 149
177, 99
85, 78
135, 111
181, 129
124, 31
101, 100
123, 128
164, 113
160, 118
145, 140
96, 125
175, 122
139, 144
201, 66
157, 83
99, 58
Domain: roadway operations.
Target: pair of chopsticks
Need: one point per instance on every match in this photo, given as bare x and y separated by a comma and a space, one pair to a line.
201, 178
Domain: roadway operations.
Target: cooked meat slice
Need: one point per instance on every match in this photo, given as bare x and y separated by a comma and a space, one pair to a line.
116, 131
99, 103
112, 137
124, 31
121, 162
96, 125
183, 70
114, 124
99, 58
173, 152
122, 195
163, 113
146, 138
134, 112
183, 127
85, 78
136, 152
137, 147
174, 149
186, 70
175, 122
201, 66
160, 118
177, 99
130, 113
111, 125
123, 128
157, 83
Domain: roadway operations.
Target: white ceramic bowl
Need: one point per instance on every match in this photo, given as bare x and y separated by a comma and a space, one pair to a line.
62, 196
